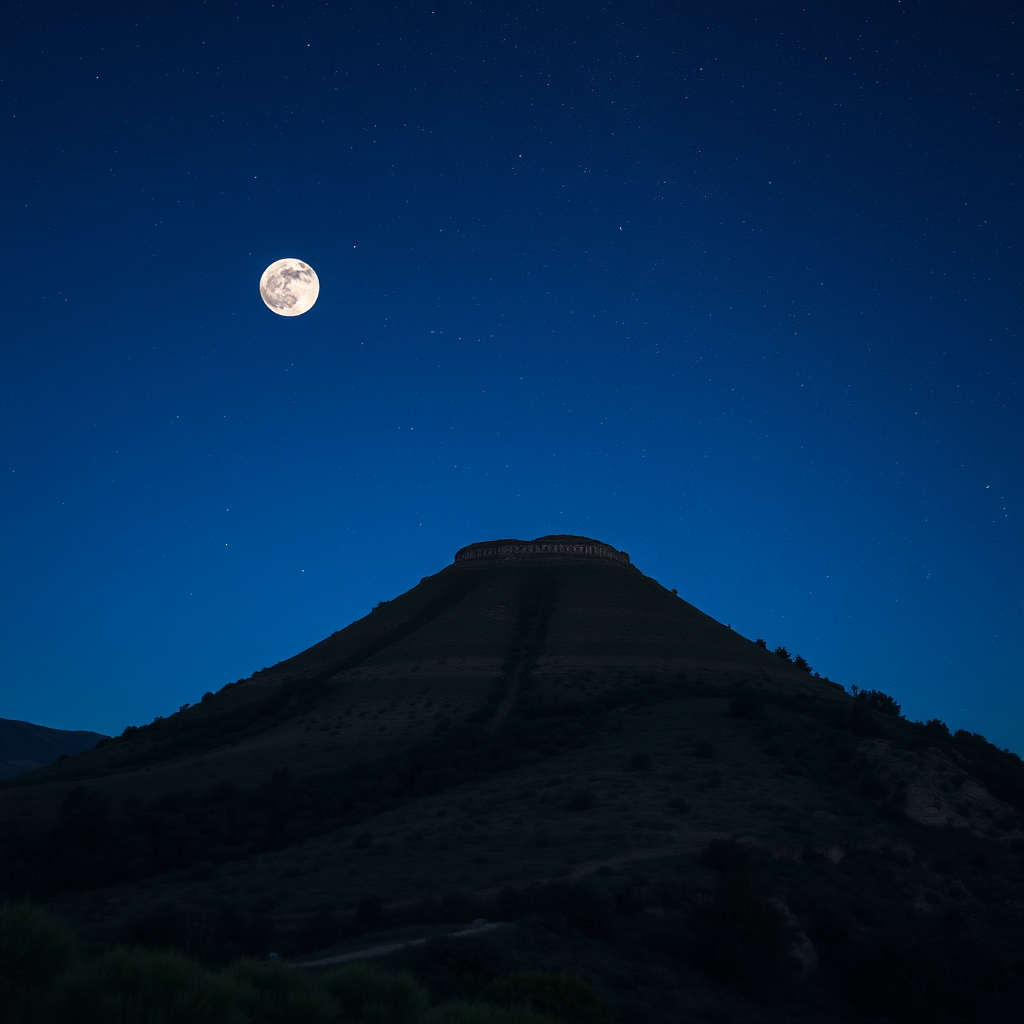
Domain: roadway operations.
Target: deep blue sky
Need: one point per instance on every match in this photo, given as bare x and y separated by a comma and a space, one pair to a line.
734, 287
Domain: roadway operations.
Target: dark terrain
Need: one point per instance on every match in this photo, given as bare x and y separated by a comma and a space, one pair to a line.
700, 827
25, 746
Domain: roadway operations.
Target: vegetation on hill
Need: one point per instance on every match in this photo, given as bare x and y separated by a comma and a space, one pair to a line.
48, 978
667, 820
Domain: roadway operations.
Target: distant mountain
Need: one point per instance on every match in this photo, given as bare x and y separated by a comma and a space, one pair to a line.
540, 734
24, 746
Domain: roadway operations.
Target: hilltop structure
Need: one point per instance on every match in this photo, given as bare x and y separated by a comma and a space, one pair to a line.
559, 545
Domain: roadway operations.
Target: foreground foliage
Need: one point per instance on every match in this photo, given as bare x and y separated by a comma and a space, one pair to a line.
47, 978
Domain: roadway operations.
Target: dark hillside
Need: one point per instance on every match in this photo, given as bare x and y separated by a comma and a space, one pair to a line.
24, 746
696, 825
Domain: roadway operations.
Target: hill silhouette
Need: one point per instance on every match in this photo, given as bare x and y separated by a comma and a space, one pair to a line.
543, 735
25, 746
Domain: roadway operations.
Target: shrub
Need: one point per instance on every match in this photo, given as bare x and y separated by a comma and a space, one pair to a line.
126, 986
366, 993
162, 928
275, 994
726, 856
84, 818
34, 949
878, 701
942, 976
324, 928
369, 913
858, 718
216, 935
740, 939
581, 800
457, 907
203, 871
583, 908
873, 788
508, 904
746, 705
458, 968
487, 1013
632, 897
557, 993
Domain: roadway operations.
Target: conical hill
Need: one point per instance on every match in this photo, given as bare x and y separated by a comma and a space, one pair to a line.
571, 615
543, 735
544, 612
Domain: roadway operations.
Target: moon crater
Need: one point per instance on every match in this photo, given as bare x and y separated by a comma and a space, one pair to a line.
289, 287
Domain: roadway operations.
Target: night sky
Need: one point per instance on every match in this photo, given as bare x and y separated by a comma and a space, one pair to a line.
734, 287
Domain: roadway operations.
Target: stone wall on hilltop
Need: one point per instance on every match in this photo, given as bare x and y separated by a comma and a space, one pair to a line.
557, 545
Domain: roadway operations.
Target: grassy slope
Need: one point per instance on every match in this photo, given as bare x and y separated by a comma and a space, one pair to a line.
441, 647
817, 805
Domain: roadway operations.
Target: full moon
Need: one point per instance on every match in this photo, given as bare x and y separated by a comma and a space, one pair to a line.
289, 287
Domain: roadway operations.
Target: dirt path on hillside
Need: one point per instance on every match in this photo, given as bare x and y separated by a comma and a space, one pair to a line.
486, 926
372, 951
506, 703
697, 840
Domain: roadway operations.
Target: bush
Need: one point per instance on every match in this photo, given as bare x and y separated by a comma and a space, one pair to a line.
216, 935
582, 800
859, 719
458, 907
367, 994
873, 788
275, 994
487, 1013
740, 939
878, 701
557, 993
746, 705
369, 913
84, 819
458, 968
34, 949
582, 907
126, 986
942, 976
163, 928
726, 856
324, 928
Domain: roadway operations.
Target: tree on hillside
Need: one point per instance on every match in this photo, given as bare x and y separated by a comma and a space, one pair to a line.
782, 653
879, 701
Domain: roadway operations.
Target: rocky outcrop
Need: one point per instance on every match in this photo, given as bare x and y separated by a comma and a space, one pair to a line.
937, 791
